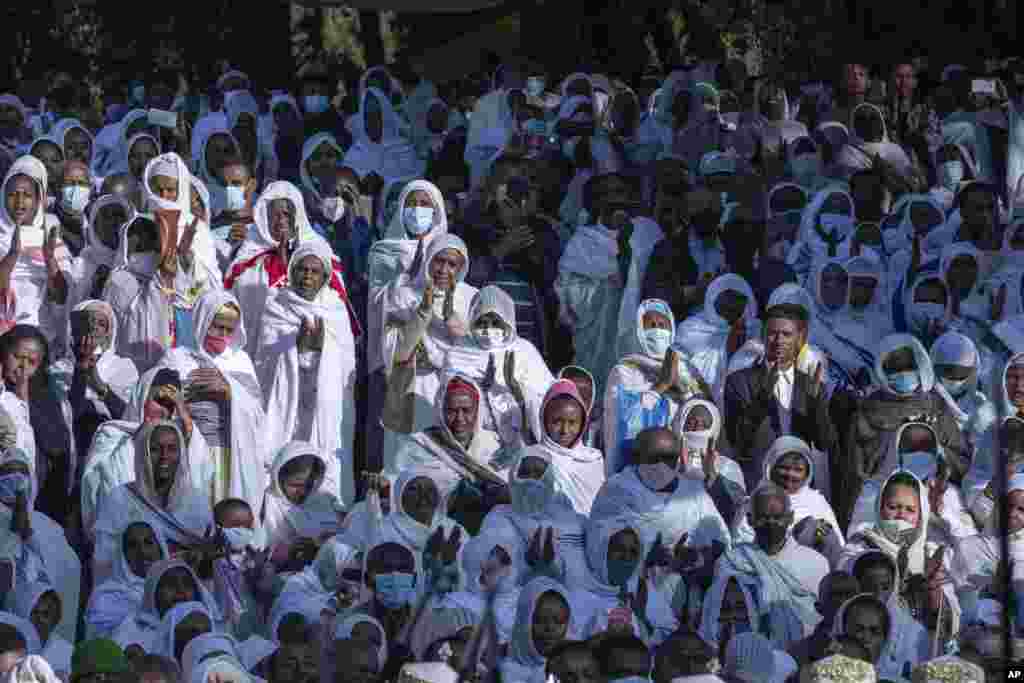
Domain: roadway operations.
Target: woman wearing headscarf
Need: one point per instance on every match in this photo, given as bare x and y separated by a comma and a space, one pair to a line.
490, 131
492, 567
142, 148
901, 531
379, 146
670, 112
647, 386
34, 257
698, 426
711, 337
871, 141
804, 164
120, 596
424, 316
773, 128
306, 362
616, 555
168, 583
179, 625
298, 511
826, 231
242, 114
261, 263
544, 618
95, 380
866, 315
321, 157
859, 617
916, 217
210, 149
729, 608
40, 605
906, 389
37, 669
321, 586
162, 495
224, 398
958, 368
101, 254
33, 543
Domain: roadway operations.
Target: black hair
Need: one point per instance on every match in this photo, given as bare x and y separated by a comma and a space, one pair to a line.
11, 639
869, 561
867, 600
165, 667
607, 655
567, 647
971, 188
228, 504
787, 312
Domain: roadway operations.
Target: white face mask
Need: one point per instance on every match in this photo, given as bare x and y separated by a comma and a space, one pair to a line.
956, 388
489, 337
234, 198
418, 220
75, 198
656, 476
333, 208
657, 342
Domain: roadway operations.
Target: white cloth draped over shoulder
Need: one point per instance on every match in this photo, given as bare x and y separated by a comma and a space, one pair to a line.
111, 458
185, 517
46, 556
248, 462
390, 156
285, 521
95, 255
25, 301
524, 663
290, 378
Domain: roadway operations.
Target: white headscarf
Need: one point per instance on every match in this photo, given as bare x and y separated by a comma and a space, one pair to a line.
139, 137
922, 361
396, 229
524, 663
96, 252
309, 148
490, 128
157, 166
392, 156
35, 170
915, 555
315, 516
814, 246
344, 628
120, 373
971, 408
474, 553
164, 641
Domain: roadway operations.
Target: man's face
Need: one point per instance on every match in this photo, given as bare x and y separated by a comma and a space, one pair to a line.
904, 80
21, 199
296, 662
282, 220
165, 453
866, 624
783, 340
855, 79
77, 146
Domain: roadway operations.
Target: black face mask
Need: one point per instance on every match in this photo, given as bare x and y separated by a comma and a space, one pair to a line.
770, 535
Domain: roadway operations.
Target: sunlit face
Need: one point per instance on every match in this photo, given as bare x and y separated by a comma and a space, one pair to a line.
142, 152
901, 502
460, 411
21, 198
550, 622
420, 499
445, 268
281, 213
563, 420
791, 472
653, 320
76, 175
224, 323
164, 453
308, 277
164, 187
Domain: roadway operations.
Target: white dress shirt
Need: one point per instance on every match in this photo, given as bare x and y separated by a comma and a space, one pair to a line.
784, 395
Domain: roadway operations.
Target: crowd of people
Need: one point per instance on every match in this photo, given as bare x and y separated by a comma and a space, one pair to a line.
706, 377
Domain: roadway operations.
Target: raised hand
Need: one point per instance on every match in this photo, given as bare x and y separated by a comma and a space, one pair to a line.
936, 494
489, 374
668, 375
549, 547
816, 389
709, 464
185, 244
50, 248
452, 320
449, 303
535, 549
659, 555
737, 335
427, 302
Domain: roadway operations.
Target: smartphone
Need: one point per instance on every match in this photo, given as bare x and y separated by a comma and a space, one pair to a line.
983, 86
163, 118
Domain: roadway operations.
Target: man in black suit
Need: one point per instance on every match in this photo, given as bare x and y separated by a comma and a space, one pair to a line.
774, 398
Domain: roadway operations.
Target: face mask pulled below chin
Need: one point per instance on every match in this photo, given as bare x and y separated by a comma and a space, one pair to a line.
657, 342
656, 476
333, 209
75, 198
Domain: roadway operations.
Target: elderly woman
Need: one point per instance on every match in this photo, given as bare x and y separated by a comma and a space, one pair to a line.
224, 398
306, 363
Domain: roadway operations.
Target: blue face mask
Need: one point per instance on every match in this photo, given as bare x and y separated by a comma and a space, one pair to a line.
239, 538
904, 382
951, 174
620, 571
11, 485
234, 198
395, 590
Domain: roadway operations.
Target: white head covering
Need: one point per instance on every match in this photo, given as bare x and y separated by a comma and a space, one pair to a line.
35, 170
32, 669
920, 314
916, 551
895, 342
263, 239
309, 148
164, 165
314, 516
144, 478
165, 639
147, 613
524, 663
748, 656
204, 647
599, 534
953, 348
392, 156
33, 645
494, 299
95, 250
811, 216
396, 229
652, 306
344, 628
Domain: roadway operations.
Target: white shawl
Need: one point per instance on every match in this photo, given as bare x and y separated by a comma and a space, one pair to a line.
285, 521
248, 475
279, 367
524, 664
391, 157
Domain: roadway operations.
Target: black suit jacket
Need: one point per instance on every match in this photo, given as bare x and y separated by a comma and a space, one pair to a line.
748, 404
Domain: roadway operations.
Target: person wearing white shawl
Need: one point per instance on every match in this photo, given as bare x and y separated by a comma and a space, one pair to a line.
915, 216
663, 503
28, 269
212, 654
871, 140
320, 153
827, 228
359, 628
491, 563
901, 530
242, 114
540, 513
142, 148
490, 128
261, 263
39, 551
789, 464
200, 259
41, 605
379, 146
1001, 446
25, 629
161, 495
210, 148
424, 317
306, 363
297, 509
320, 586
698, 426
101, 254
120, 596
544, 618
786, 574
711, 337
616, 554
958, 368
110, 460
857, 326
179, 625
876, 624
168, 583
647, 387
224, 398
977, 561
